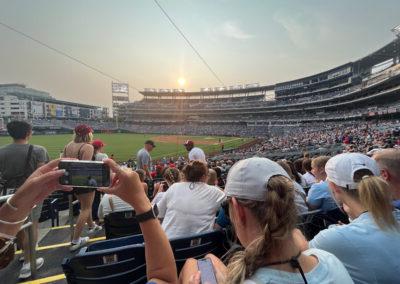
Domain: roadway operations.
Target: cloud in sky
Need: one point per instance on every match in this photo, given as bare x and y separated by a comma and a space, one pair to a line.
302, 28
231, 30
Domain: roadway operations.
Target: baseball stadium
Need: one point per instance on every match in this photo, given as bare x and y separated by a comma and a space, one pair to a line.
295, 181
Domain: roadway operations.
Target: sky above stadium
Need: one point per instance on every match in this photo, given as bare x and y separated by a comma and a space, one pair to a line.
244, 42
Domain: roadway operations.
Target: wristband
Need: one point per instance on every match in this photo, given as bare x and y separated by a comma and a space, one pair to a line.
11, 206
13, 223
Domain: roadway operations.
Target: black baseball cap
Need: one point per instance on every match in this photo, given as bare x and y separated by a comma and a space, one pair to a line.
150, 142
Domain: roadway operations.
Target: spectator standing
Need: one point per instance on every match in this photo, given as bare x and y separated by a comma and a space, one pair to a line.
98, 155
369, 245
195, 153
17, 161
190, 207
144, 159
81, 148
319, 196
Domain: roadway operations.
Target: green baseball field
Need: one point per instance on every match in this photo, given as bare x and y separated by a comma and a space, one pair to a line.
126, 145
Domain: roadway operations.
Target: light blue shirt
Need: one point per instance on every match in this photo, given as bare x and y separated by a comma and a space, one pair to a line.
369, 254
328, 270
320, 197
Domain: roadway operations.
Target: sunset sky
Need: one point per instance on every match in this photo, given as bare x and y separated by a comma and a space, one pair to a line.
244, 42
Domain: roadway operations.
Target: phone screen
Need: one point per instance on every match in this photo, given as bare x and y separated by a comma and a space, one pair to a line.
207, 271
85, 173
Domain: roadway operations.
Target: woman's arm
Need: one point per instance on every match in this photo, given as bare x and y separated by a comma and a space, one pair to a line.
36, 188
160, 260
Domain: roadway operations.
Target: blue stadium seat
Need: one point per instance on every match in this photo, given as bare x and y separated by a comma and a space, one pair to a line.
121, 224
122, 260
116, 265
197, 246
115, 243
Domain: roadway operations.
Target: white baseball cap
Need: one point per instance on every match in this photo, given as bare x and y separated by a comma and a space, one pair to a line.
248, 178
340, 169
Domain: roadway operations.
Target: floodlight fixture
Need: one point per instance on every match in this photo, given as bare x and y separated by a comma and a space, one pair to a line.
396, 31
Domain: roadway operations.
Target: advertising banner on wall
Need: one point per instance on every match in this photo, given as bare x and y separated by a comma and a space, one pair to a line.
37, 109
59, 111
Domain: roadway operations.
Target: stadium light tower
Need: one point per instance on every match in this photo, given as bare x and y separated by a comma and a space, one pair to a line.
396, 31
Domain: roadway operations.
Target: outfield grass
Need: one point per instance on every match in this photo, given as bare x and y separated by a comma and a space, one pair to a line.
126, 145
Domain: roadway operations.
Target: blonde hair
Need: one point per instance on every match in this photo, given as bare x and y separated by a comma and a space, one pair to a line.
83, 138
277, 216
375, 196
320, 162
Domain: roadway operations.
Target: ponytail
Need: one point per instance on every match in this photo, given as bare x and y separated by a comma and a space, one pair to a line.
375, 196
277, 217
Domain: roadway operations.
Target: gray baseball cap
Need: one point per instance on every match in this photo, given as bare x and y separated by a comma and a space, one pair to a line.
341, 168
248, 178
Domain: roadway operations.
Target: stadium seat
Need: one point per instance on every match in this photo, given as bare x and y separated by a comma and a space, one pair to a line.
117, 265
197, 246
121, 224
309, 223
115, 243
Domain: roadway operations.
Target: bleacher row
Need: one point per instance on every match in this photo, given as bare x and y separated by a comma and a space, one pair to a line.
121, 257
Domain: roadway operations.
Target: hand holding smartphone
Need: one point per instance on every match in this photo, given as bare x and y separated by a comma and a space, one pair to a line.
207, 273
85, 173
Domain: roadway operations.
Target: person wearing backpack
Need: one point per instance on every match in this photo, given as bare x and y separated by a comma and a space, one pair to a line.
18, 161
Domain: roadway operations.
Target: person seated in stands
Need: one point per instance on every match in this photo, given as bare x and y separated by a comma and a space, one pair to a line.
263, 212
221, 182
171, 176
212, 177
98, 154
160, 262
296, 175
299, 194
308, 176
142, 176
368, 246
319, 196
190, 207
111, 203
389, 164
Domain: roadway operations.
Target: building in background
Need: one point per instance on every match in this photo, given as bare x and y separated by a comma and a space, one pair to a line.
19, 102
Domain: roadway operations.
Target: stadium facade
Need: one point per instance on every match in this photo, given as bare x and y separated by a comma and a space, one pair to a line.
368, 87
19, 102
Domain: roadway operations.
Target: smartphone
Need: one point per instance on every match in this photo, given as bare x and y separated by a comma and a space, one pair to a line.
85, 173
207, 271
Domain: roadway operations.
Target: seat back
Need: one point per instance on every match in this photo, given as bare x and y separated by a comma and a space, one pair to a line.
122, 260
197, 246
310, 223
121, 224
115, 243
117, 265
